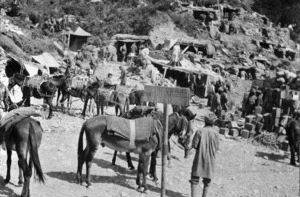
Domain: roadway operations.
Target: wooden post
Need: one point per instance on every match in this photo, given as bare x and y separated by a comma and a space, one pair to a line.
165, 71
164, 151
166, 95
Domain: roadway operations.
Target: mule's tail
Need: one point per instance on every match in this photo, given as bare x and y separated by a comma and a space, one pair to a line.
126, 106
34, 155
80, 143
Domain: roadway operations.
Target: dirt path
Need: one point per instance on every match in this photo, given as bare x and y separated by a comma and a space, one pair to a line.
242, 169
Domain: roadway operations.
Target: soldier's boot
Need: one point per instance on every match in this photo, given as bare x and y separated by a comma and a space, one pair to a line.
195, 190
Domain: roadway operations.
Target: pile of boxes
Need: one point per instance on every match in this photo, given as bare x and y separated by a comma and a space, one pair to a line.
237, 126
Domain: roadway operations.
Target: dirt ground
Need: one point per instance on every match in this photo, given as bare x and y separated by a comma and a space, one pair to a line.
242, 169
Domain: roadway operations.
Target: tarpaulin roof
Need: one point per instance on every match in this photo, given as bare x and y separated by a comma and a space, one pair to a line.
31, 68
46, 59
129, 40
80, 32
122, 37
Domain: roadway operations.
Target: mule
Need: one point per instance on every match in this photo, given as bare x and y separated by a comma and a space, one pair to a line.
136, 112
46, 91
137, 97
116, 99
60, 82
25, 137
178, 126
96, 133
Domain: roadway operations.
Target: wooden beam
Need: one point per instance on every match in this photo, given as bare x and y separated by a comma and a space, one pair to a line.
184, 50
165, 71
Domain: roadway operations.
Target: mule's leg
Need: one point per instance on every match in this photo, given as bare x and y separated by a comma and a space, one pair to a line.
153, 166
116, 110
8, 162
58, 95
145, 171
84, 107
102, 110
129, 162
89, 159
49, 102
21, 179
81, 159
114, 158
139, 177
98, 109
63, 100
26, 172
292, 147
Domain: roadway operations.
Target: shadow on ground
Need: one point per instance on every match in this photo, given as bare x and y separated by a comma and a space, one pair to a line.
274, 157
122, 177
5, 191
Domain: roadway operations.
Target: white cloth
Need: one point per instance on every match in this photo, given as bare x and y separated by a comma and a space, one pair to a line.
176, 52
145, 52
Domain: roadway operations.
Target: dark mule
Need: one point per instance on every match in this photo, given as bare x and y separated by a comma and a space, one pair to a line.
59, 81
137, 97
46, 91
179, 126
25, 136
293, 135
136, 112
116, 99
96, 133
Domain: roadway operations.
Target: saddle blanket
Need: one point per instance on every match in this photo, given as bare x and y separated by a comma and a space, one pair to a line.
35, 81
79, 81
126, 90
133, 130
103, 95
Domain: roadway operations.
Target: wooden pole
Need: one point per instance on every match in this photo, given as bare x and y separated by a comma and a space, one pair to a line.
165, 71
164, 152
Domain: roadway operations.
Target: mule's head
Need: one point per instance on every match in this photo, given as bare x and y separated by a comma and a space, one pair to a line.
16, 79
186, 132
68, 84
11, 82
84, 93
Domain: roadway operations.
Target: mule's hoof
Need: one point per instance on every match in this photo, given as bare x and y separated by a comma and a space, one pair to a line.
155, 180
140, 189
131, 168
293, 164
20, 183
145, 191
89, 186
6, 181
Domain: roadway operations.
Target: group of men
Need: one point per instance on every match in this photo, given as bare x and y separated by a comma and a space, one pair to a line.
217, 97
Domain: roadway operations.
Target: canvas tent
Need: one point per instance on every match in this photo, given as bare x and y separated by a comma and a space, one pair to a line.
47, 60
77, 38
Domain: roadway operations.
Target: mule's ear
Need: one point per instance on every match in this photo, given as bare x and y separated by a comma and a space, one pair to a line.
98, 80
193, 117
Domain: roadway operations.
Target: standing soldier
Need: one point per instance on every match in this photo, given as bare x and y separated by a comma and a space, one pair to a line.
123, 76
206, 143
224, 100
210, 93
175, 54
123, 50
134, 48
